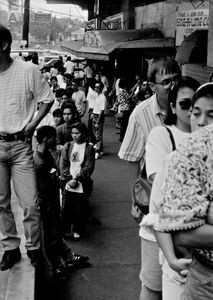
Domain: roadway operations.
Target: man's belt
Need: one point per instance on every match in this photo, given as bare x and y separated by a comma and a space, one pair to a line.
6, 137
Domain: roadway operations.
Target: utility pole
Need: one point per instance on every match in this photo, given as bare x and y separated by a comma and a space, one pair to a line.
210, 36
26, 20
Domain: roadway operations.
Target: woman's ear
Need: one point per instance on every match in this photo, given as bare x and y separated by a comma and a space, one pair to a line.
152, 86
173, 108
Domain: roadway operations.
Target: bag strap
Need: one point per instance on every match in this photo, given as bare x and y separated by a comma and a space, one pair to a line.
171, 138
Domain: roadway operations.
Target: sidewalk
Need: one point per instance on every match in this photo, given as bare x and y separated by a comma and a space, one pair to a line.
18, 283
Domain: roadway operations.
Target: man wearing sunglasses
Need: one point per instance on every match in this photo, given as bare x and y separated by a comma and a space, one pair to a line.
162, 74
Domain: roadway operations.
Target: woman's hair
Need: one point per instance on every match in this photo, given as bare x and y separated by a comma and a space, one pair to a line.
123, 83
205, 90
54, 78
57, 113
184, 81
82, 128
59, 93
45, 132
162, 65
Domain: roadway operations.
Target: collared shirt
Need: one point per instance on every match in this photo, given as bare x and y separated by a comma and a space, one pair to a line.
22, 86
143, 118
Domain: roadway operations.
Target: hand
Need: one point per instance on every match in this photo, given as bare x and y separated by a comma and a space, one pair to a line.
96, 125
181, 265
29, 129
59, 147
73, 183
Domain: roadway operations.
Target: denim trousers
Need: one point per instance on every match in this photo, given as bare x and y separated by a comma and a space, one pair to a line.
16, 164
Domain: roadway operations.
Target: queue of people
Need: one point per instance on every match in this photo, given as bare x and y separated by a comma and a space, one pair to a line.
176, 251
57, 175
166, 131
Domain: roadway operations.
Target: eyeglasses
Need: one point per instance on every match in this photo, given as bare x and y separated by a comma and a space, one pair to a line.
97, 87
168, 82
185, 103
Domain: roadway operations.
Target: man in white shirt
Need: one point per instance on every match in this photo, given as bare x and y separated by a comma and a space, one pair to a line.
69, 66
78, 97
22, 88
98, 118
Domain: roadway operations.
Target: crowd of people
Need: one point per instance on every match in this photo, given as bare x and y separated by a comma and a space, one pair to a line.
164, 123
176, 251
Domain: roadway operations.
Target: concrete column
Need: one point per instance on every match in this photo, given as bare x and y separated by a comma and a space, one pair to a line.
129, 14
210, 36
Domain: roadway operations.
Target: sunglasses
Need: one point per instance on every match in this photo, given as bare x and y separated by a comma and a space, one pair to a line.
185, 103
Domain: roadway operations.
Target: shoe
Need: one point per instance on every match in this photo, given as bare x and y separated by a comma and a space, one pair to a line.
59, 268
76, 261
76, 236
35, 257
10, 257
97, 155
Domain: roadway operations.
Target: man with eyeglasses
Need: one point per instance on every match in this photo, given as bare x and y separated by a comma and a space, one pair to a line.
79, 98
162, 73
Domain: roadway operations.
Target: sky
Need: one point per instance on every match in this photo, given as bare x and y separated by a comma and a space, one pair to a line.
59, 10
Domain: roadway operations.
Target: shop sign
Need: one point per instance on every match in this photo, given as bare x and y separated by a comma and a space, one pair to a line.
13, 4
189, 21
12, 17
92, 39
42, 17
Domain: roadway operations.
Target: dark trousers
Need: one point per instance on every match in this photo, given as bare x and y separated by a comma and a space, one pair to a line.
124, 123
92, 138
75, 212
54, 244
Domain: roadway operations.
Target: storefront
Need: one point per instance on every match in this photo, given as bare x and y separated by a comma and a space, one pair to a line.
122, 49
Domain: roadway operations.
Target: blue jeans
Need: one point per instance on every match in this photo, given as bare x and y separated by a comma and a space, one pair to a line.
16, 163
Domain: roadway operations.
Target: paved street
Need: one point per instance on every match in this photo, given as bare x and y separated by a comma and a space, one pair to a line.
113, 246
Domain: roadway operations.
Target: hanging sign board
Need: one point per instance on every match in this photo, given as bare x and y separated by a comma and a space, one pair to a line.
189, 21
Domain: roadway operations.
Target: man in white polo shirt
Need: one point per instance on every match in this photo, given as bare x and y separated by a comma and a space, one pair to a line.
98, 118
22, 88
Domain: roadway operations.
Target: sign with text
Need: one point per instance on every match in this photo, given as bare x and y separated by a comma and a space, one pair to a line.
189, 21
13, 4
41, 17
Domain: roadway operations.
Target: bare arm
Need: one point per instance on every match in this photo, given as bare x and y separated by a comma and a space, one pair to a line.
165, 242
31, 126
134, 171
200, 237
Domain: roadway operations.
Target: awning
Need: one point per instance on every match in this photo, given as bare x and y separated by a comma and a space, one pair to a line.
193, 48
98, 45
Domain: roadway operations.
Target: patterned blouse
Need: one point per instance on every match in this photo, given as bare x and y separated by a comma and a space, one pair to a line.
123, 100
188, 185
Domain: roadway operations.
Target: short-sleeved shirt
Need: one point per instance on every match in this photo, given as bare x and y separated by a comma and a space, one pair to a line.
64, 134
99, 104
79, 100
69, 65
22, 86
159, 145
143, 118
